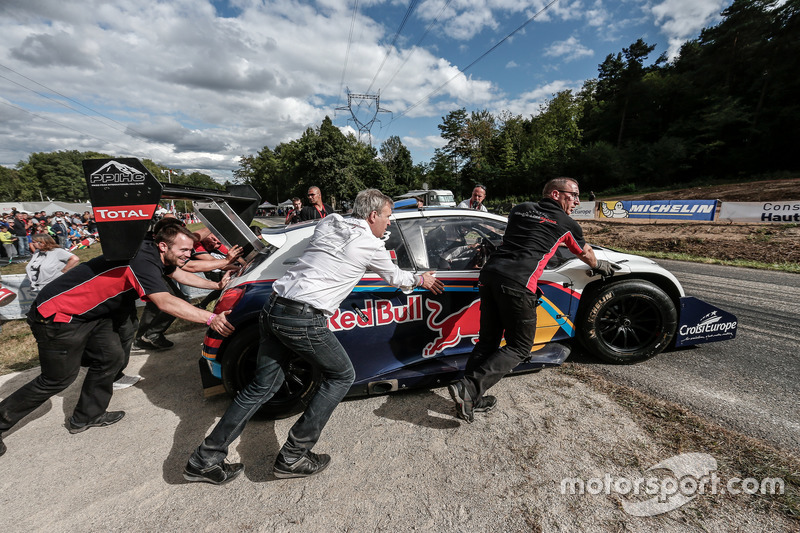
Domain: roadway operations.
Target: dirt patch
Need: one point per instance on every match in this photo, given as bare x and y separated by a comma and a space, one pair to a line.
747, 242
765, 243
755, 191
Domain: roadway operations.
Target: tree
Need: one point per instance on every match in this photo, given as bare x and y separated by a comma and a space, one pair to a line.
399, 165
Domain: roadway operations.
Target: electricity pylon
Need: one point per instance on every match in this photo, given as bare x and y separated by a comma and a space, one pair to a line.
363, 119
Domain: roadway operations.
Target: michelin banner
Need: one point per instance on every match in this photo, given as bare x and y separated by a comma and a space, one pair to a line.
760, 211
659, 209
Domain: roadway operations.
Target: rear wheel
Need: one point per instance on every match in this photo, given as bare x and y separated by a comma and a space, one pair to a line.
627, 321
239, 368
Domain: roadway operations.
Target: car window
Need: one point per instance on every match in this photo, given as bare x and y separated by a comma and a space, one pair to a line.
397, 248
451, 243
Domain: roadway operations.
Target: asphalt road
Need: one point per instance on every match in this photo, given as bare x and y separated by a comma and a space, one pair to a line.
750, 383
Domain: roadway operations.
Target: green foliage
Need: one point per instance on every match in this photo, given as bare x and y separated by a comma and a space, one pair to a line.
725, 107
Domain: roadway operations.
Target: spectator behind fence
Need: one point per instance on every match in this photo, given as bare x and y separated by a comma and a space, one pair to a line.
8, 240
49, 261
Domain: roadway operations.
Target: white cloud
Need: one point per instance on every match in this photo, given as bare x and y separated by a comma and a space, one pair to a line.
426, 142
530, 103
186, 83
512, 64
682, 19
568, 50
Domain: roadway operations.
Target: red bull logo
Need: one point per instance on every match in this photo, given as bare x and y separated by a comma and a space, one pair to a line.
463, 324
377, 313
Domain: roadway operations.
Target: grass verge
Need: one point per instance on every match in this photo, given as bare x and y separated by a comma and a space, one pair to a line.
18, 350
679, 431
782, 267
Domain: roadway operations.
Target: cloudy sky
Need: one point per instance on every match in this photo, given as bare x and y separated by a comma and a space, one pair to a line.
194, 84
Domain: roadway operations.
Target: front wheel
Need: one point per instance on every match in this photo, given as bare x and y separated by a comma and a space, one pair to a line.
239, 368
627, 321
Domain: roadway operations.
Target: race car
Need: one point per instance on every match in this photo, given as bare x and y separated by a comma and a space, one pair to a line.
400, 341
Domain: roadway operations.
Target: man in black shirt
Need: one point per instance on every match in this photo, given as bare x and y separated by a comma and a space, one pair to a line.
19, 227
317, 209
76, 318
508, 287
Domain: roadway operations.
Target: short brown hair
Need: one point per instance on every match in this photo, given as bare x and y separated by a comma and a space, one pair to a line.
556, 184
169, 232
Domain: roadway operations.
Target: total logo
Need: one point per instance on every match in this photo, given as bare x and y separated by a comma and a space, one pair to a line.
114, 173
124, 213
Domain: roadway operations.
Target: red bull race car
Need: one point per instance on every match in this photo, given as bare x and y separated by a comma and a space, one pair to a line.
400, 341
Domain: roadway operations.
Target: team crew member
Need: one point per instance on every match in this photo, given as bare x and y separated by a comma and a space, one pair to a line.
508, 287
75, 321
317, 209
476, 200
294, 321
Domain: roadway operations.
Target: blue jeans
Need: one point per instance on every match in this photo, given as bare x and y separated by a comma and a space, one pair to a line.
22, 246
286, 328
508, 309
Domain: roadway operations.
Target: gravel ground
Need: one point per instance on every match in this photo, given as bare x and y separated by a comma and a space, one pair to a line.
400, 463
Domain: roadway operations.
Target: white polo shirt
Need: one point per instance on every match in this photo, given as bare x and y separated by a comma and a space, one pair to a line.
339, 254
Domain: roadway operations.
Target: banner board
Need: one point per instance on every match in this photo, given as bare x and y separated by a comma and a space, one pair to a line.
658, 209
585, 210
781, 212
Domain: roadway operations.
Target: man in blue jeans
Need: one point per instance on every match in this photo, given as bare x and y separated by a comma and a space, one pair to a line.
294, 321
508, 287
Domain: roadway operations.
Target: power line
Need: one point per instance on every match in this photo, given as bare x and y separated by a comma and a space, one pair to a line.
62, 104
142, 135
349, 42
419, 41
64, 125
462, 71
411, 7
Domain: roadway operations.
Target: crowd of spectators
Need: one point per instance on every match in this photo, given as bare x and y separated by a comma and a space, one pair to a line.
69, 230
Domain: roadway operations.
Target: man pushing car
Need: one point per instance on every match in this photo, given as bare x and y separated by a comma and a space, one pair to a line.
293, 320
508, 290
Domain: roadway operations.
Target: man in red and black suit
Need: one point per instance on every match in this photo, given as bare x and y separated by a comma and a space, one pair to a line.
76, 321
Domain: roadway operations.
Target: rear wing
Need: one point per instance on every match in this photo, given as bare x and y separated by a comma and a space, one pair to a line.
125, 196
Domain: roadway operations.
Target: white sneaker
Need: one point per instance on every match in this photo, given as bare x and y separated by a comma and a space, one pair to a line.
126, 381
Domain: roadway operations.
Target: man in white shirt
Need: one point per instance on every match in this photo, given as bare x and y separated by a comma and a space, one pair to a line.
476, 200
294, 321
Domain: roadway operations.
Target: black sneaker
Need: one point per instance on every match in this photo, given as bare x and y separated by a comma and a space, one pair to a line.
2, 447
308, 465
464, 409
485, 404
106, 419
162, 342
148, 344
216, 475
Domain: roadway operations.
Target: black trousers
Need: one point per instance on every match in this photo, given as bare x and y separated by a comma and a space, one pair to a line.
507, 309
63, 349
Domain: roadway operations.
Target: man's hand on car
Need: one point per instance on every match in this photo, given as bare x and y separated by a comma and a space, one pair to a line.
605, 268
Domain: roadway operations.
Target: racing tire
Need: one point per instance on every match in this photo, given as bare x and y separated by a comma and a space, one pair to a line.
239, 369
627, 321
